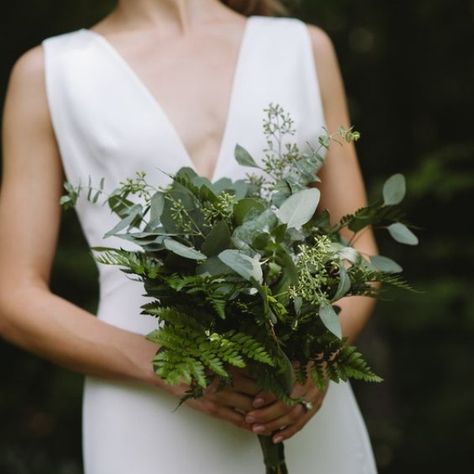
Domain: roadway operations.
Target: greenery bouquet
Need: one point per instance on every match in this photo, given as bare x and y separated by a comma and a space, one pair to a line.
245, 273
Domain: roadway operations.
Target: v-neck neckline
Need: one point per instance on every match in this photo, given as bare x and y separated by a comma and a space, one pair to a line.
146, 91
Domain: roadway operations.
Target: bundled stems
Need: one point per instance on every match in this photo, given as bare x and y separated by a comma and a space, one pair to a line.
273, 456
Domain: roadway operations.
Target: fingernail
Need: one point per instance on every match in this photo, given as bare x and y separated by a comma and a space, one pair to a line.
277, 439
258, 429
250, 419
258, 402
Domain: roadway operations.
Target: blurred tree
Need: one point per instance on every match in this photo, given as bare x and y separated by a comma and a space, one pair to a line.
408, 72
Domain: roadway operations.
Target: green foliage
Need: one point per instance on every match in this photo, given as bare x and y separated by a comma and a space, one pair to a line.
190, 353
408, 417
243, 273
137, 263
394, 190
299, 208
343, 364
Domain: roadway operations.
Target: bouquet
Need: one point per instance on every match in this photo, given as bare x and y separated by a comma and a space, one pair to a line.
246, 274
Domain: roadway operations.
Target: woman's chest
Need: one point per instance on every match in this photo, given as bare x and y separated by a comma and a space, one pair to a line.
190, 82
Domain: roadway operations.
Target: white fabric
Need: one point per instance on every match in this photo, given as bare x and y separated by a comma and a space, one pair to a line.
108, 124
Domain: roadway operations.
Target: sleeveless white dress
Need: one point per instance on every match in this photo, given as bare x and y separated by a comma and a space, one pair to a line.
108, 124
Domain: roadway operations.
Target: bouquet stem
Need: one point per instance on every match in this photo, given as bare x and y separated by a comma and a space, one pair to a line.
273, 456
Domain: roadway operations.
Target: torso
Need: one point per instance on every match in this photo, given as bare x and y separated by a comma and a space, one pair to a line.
106, 126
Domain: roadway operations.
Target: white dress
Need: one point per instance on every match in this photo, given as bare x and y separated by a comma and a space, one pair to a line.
108, 124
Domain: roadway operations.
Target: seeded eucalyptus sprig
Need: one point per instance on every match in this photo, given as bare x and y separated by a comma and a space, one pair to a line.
246, 273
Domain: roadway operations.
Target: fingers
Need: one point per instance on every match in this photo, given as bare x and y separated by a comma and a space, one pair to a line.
230, 398
243, 384
291, 418
290, 430
221, 412
300, 420
268, 413
262, 399
282, 418
246, 406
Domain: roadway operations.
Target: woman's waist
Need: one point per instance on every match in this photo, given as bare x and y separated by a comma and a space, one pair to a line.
120, 301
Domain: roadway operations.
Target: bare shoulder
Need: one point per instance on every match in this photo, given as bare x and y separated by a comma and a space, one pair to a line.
29, 67
321, 41
323, 50
26, 122
26, 97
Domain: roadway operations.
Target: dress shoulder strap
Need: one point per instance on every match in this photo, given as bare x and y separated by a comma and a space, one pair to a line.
286, 43
278, 68
70, 62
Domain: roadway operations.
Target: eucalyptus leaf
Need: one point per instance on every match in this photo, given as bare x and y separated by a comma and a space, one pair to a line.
95, 198
322, 220
119, 205
186, 173
201, 181
330, 319
133, 212
89, 188
217, 240
289, 273
394, 190
207, 193
402, 234
299, 208
344, 284
385, 264
157, 204
347, 253
243, 157
248, 207
295, 235
261, 241
183, 251
251, 228
297, 304
245, 266
222, 184
213, 266
240, 189
177, 194
324, 140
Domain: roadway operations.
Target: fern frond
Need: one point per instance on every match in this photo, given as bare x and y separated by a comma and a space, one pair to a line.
341, 362
395, 281
134, 262
250, 347
351, 364
171, 315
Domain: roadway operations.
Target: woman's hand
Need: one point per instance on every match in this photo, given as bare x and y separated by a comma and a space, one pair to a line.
230, 403
274, 417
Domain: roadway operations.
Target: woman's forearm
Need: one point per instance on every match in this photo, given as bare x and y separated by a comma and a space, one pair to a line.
43, 323
355, 312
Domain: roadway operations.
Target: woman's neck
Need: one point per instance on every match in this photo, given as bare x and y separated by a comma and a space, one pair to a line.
166, 14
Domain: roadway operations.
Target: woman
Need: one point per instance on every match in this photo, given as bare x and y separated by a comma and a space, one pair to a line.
93, 101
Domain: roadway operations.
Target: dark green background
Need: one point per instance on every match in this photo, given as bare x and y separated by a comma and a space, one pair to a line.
408, 70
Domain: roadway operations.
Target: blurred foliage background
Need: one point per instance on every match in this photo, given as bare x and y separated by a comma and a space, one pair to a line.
408, 70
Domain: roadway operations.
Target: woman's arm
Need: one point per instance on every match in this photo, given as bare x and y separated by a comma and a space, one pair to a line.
342, 192
30, 315
342, 186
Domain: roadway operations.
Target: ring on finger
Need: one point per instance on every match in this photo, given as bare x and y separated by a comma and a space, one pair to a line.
306, 404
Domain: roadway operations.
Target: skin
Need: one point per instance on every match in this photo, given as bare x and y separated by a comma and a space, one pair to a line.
166, 42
